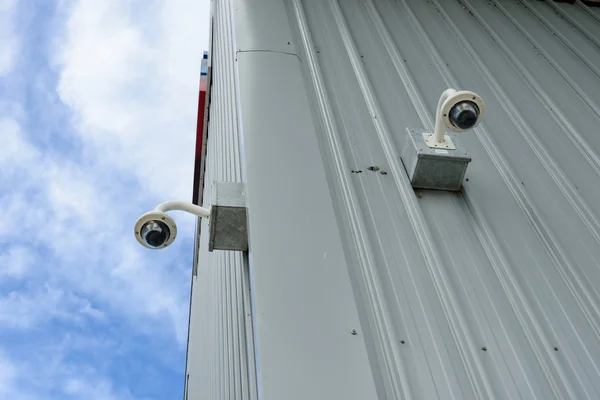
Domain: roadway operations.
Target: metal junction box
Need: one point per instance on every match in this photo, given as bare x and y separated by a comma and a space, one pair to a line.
228, 220
430, 168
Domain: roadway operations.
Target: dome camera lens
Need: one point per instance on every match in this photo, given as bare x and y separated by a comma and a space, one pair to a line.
155, 233
464, 115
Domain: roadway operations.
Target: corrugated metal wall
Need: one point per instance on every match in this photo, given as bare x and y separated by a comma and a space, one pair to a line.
491, 293
220, 350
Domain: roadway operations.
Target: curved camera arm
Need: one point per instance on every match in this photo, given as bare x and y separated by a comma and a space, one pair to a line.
439, 123
183, 206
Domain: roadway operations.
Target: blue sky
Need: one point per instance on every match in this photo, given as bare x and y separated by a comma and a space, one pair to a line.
97, 126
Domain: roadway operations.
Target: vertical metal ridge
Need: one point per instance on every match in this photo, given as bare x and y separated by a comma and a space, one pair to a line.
244, 386
493, 152
551, 61
229, 387
236, 167
228, 313
587, 10
590, 36
224, 153
251, 373
524, 311
555, 172
569, 191
231, 350
219, 341
231, 104
507, 265
399, 66
576, 284
385, 336
221, 110
396, 58
563, 39
498, 263
558, 176
578, 141
224, 360
235, 305
459, 328
239, 326
212, 355
236, 371
220, 106
240, 372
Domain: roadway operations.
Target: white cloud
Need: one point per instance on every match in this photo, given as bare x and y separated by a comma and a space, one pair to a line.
81, 217
130, 72
29, 309
60, 378
15, 148
15, 261
7, 375
100, 389
8, 38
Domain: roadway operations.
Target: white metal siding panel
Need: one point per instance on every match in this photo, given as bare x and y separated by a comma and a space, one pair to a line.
512, 263
220, 351
305, 306
491, 293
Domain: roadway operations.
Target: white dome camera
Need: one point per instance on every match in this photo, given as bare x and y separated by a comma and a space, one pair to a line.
156, 230
458, 111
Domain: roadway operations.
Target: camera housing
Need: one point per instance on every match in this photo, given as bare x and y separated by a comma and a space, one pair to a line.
457, 111
228, 228
462, 110
155, 230
435, 160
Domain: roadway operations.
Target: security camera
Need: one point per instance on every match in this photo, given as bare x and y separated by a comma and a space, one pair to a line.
458, 111
157, 230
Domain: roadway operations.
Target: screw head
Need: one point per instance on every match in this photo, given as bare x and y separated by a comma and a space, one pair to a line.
353, 332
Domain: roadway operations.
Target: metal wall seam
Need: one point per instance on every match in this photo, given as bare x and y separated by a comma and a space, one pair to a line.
543, 108
568, 270
489, 293
218, 353
396, 58
386, 339
305, 311
506, 172
460, 329
591, 36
